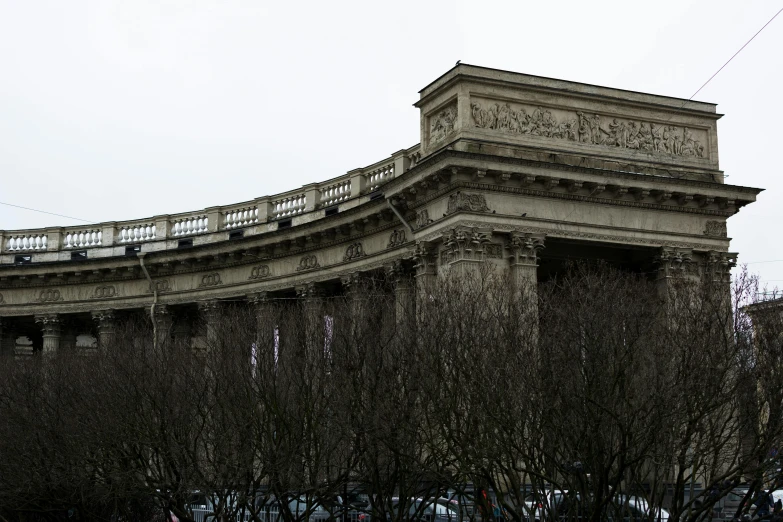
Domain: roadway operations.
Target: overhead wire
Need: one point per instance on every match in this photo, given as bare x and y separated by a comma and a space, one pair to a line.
45, 212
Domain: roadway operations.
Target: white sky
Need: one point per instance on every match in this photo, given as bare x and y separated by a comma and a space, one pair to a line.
122, 110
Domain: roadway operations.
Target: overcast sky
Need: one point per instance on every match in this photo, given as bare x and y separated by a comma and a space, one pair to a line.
122, 110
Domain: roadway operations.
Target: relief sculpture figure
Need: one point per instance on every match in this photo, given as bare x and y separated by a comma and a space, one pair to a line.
587, 128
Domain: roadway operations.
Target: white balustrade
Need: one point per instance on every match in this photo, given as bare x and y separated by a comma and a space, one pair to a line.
25, 242
289, 206
82, 238
240, 217
136, 233
189, 225
379, 176
335, 193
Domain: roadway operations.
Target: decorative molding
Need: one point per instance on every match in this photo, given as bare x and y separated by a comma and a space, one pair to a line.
48, 295
674, 262
587, 128
442, 123
354, 251
212, 279
104, 292
716, 229
308, 262
396, 238
462, 201
260, 272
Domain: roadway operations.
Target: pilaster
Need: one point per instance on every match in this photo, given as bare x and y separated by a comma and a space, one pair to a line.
209, 311
424, 256
163, 321
50, 326
523, 250
400, 275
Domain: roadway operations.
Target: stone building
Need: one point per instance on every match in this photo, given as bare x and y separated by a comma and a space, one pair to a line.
522, 171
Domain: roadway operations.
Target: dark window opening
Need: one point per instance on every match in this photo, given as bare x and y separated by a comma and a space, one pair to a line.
78, 255
331, 211
286, 223
132, 250
23, 259
236, 234
377, 195
184, 243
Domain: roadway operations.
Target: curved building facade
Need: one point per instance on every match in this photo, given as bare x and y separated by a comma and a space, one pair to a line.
521, 171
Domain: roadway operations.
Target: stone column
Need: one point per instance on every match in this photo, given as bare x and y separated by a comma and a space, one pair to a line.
425, 257
162, 320
677, 271
523, 249
209, 311
7, 337
50, 326
401, 277
105, 321
182, 330
464, 250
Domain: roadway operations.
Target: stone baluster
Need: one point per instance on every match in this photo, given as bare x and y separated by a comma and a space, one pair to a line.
105, 321
50, 327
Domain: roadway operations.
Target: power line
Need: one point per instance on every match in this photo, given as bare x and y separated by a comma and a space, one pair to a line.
733, 56
45, 212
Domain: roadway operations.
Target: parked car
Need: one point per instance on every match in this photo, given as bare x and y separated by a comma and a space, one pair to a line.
439, 510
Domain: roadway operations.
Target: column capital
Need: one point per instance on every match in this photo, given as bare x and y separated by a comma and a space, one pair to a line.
49, 323
523, 248
424, 259
465, 244
258, 298
351, 281
307, 290
717, 265
675, 262
105, 323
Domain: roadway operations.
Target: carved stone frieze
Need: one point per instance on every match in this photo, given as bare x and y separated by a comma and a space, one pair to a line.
397, 238
442, 123
104, 292
308, 262
48, 295
259, 272
354, 251
587, 128
208, 280
715, 229
462, 201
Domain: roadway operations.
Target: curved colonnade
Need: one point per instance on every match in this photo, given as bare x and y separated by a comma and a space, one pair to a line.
519, 171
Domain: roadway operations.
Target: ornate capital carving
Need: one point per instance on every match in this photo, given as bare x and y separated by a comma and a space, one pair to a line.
523, 248
675, 262
462, 201
50, 324
424, 259
351, 281
718, 265
308, 290
463, 243
258, 298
